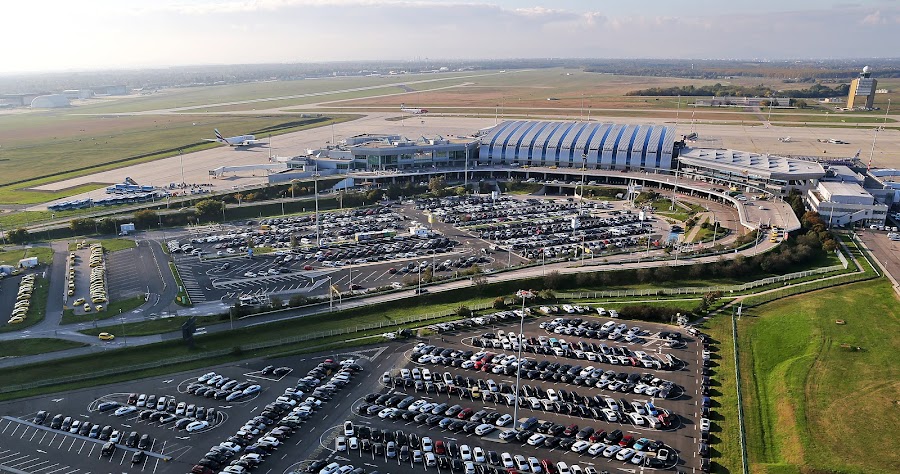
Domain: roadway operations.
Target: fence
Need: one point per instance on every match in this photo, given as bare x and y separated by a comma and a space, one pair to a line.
745, 460
701, 290
252, 346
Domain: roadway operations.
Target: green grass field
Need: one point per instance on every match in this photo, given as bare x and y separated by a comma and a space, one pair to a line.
69, 146
37, 345
36, 309
110, 310
12, 257
110, 245
807, 394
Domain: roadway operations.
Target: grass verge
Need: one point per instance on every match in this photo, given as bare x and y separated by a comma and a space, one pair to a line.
807, 396
12, 257
111, 310
154, 326
31, 346
110, 245
37, 308
182, 298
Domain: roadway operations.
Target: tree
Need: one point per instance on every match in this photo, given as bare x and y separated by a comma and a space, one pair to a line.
500, 303
294, 241
297, 300
437, 184
463, 311
480, 282
145, 219
276, 301
18, 236
209, 209
83, 225
108, 225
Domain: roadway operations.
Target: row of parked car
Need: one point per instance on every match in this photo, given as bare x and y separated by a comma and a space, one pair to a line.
261, 435
112, 436
609, 330
23, 300
220, 387
582, 350
507, 364
487, 210
164, 410
535, 432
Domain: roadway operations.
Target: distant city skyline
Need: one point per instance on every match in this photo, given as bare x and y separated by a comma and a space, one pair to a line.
45, 35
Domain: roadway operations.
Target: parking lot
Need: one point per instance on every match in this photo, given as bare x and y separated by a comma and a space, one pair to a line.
381, 251
393, 245
46, 448
11, 296
445, 385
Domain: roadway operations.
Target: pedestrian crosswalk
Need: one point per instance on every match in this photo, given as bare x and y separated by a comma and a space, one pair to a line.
192, 288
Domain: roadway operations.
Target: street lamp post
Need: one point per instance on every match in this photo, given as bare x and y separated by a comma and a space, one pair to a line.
524, 294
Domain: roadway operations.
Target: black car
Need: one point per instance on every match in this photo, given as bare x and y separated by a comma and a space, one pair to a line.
40, 417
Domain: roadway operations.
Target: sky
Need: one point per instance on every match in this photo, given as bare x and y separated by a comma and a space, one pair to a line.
50, 35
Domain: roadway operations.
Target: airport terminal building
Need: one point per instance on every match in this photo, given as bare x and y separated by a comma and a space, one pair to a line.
577, 144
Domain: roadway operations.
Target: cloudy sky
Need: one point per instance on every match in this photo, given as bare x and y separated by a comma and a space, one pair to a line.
41, 35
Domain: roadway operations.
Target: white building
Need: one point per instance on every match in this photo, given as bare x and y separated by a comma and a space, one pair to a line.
845, 203
774, 174
52, 101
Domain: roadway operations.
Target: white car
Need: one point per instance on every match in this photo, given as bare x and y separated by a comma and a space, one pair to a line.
507, 460
330, 469
206, 376
122, 411
340, 444
196, 426
504, 420
580, 446
625, 454
596, 449
704, 425
536, 439
521, 463
610, 415
469, 467
484, 429
427, 444
465, 453
478, 454
272, 440
348, 429
637, 419
534, 465
233, 447
353, 443
637, 458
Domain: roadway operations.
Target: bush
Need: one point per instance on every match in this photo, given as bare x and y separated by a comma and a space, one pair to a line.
297, 300
463, 312
500, 303
277, 302
663, 314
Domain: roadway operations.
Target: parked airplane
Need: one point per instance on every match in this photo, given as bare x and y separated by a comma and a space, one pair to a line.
414, 111
785, 139
239, 141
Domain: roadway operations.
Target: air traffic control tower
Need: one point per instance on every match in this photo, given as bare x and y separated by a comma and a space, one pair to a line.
862, 90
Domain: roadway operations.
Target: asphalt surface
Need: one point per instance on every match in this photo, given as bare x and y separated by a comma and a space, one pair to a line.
41, 450
683, 437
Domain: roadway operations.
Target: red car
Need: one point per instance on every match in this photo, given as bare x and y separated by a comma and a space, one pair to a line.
549, 466
307, 267
465, 414
571, 430
597, 437
626, 441
439, 447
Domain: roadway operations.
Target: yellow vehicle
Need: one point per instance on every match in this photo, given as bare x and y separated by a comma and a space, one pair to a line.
79, 302
99, 308
87, 308
105, 336
71, 292
15, 320
98, 299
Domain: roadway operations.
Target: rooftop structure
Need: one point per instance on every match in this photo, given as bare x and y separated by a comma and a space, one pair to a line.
776, 174
573, 144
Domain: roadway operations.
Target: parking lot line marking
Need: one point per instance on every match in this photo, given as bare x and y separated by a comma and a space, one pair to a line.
26, 457
6, 427
35, 465
60, 469
45, 467
63, 440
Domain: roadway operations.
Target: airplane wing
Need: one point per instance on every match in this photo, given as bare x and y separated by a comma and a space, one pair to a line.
211, 140
251, 143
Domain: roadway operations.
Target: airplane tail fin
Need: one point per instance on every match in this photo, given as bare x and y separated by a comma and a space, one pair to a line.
218, 135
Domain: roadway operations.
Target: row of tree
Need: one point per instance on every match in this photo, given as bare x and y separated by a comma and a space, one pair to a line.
722, 90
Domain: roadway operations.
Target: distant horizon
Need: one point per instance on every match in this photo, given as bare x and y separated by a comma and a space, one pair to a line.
439, 62
138, 34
